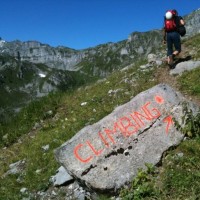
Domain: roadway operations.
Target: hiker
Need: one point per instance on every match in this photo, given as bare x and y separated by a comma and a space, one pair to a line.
171, 35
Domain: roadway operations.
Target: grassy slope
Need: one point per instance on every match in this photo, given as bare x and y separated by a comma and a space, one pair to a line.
179, 175
20, 82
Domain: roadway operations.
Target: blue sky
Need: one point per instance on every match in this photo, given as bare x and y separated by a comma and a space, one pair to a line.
81, 24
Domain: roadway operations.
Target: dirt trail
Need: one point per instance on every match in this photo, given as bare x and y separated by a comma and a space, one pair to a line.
163, 76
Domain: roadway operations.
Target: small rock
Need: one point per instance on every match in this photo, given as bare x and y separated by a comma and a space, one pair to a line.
53, 193
151, 58
79, 195
36, 126
41, 193
180, 155
159, 62
38, 171
46, 147
23, 190
16, 167
84, 104
5, 137
61, 177
112, 92
127, 93
20, 179
143, 67
50, 112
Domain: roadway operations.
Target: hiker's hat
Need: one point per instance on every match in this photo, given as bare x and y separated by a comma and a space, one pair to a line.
168, 15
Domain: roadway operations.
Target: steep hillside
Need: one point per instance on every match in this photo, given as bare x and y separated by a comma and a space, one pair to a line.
45, 125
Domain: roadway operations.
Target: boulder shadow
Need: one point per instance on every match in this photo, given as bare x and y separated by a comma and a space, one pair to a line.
179, 60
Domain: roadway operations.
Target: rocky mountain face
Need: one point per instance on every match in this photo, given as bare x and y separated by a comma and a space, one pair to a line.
29, 70
110, 55
36, 52
193, 23
24, 81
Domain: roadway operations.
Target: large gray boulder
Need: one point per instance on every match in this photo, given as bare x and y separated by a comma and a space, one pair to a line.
106, 155
185, 66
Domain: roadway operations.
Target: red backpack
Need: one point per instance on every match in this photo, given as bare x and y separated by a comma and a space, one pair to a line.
170, 24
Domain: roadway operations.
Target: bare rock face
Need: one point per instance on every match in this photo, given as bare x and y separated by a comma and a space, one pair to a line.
106, 155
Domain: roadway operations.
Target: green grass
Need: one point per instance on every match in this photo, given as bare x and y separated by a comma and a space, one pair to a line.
67, 119
143, 185
189, 82
181, 176
177, 178
25, 120
194, 44
171, 181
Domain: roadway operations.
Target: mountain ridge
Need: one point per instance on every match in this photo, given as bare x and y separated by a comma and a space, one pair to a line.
67, 58
64, 67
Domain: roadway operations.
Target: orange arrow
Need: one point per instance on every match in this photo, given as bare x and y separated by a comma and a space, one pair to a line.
169, 122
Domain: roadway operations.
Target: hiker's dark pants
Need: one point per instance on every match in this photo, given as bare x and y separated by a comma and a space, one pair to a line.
173, 39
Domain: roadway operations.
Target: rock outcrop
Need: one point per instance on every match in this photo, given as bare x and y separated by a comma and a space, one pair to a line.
107, 155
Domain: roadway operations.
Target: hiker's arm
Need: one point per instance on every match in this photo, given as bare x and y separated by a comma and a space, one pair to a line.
182, 22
